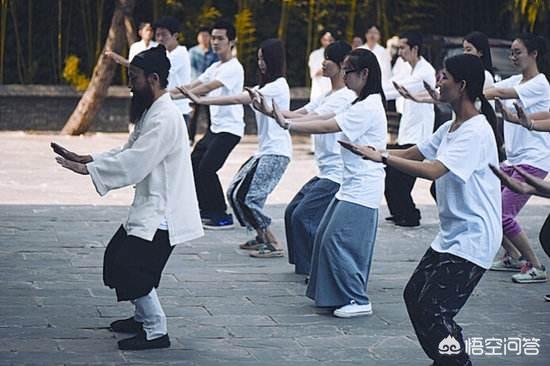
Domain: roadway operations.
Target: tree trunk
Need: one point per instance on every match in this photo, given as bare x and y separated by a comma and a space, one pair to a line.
91, 101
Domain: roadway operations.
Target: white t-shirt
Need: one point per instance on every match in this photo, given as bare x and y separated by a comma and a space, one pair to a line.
524, 146
180, 74
138, 47
383, 58
363, 123
417, 120
327, 148
319, 84
468, 196
272, 139
226, 118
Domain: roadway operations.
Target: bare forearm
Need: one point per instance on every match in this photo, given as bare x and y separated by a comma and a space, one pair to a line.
313, 117
300, 113
227, 100
503, 93
412, 153
423, 169
316, 126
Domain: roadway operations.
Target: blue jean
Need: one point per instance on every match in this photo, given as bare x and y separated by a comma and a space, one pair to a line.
302, 217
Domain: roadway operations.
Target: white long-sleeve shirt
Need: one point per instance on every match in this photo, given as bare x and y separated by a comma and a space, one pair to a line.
156, 159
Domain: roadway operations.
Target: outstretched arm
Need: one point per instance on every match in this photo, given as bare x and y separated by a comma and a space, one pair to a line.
117, 58
519, 186
412, 165
503, 93
314, 126
242, 98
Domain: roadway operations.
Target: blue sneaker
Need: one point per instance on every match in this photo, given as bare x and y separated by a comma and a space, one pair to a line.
224, 223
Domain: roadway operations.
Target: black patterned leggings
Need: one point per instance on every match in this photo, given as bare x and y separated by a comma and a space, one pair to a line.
437, 290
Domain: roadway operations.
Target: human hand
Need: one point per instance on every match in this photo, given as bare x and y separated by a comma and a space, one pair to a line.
259, 102
512, 183
506, 113
431, 91
366, 152
72, 165
189, 94
69, 155
406, 94
115, 57
522, 117
278, 116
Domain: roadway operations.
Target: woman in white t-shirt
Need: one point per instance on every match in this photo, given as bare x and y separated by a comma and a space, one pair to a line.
344, 241
457, 157
305, 211
528, 149
259, 175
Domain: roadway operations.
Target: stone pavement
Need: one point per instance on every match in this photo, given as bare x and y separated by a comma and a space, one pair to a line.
223, 307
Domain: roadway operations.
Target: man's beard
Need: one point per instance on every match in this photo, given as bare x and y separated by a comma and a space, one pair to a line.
141, 100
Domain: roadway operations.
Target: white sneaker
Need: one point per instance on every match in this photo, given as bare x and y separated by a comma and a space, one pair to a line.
353, 309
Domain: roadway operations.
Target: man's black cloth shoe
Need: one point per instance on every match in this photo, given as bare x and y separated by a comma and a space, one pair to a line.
140, 342
407, 222
129, 325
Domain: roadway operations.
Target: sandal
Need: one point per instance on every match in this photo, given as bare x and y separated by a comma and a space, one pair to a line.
252, 244
267, 250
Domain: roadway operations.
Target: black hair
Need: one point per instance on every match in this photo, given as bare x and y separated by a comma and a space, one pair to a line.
204, 29
154, 61
414, 39
470, 69
481, 43
360, 59
325, 31
168, 22
143, 25
534, 43
337, 52
273, 52
228, 26
372, 25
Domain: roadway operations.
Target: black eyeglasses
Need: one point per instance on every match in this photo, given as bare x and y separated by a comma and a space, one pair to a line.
350, 71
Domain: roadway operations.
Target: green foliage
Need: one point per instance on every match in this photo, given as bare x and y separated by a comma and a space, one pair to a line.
79, 27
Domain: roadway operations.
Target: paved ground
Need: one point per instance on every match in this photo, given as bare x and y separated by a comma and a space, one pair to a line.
224, 308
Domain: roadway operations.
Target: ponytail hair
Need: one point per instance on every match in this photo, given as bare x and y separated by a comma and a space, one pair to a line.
535, 43
361, 59
470, 69
481, 43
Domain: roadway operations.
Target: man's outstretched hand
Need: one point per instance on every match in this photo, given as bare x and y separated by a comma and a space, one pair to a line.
72, 165
69, 155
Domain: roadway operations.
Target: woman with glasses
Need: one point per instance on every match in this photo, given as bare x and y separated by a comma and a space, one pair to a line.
344, 242
528, 149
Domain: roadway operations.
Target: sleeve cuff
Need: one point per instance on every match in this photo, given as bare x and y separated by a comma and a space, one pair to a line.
100, 187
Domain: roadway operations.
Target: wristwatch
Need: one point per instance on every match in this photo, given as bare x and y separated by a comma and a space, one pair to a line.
385, 156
